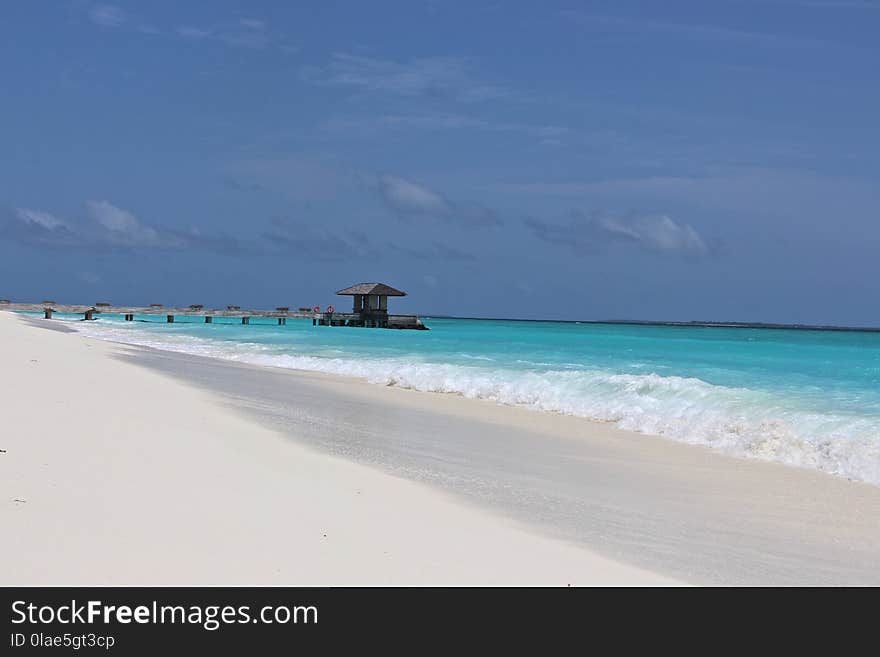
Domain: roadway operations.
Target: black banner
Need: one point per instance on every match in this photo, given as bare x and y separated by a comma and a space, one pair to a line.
222, 620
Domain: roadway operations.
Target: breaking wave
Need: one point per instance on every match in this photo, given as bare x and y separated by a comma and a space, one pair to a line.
738, 421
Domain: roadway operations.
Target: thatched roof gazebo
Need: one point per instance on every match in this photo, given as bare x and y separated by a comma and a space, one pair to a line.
372, 288
371, 300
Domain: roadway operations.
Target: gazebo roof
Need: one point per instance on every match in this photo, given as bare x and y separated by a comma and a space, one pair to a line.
372, 288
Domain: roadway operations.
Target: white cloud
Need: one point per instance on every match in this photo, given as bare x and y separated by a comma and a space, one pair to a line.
656, 233
241, 33
696, 31
41, 219
783, 197
245, 33
458, 121
406, 196
409, 198
107, 226
107, 16
435, 122
122, 226
427, 76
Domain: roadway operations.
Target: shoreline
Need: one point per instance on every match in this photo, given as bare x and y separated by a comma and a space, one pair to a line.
751, 444
681, 511
115, 474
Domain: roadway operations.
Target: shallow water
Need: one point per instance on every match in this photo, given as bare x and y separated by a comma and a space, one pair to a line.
807, 398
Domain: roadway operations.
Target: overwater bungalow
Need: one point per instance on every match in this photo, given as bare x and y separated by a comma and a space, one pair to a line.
370, 309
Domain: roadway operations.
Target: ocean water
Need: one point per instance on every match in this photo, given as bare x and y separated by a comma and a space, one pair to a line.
805, 398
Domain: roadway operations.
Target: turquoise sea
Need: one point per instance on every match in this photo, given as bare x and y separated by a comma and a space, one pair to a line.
803, 397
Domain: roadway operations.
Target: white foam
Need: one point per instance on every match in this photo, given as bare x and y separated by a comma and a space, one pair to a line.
737, 421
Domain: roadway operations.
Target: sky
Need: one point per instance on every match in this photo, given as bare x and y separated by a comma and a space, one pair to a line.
676, 160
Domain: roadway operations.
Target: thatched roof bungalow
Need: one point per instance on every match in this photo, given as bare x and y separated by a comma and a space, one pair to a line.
371, 298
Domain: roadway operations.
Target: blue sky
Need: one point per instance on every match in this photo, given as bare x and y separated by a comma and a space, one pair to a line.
583, 160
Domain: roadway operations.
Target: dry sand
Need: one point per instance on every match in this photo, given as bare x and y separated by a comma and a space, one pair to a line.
117, 474
137, 466
685, 511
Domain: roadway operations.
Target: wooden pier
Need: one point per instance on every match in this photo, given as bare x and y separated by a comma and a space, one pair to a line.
359, 320
170, 314
327, 317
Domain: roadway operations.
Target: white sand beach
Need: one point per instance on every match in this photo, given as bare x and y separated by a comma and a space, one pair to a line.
124, 465
114, 474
